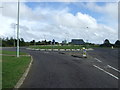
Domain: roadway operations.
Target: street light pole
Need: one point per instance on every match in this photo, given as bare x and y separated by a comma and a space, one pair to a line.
18, 31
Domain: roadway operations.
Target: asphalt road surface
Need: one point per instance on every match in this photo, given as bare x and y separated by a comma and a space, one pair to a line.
54, 70
106, 55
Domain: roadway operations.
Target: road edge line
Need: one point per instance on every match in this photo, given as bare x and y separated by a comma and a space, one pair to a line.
21, 80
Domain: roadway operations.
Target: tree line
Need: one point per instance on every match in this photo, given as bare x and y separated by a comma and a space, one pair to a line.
11, 42
108, 44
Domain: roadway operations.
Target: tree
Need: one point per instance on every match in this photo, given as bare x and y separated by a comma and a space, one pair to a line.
6, 42
117, 43
38, 43
106, 43
32, 42
22, 42
10, 42
49, 42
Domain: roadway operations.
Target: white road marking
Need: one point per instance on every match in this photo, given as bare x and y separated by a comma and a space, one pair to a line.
98, 60
106, 72
113, 68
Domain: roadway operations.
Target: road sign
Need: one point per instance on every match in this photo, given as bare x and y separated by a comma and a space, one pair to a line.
53, 41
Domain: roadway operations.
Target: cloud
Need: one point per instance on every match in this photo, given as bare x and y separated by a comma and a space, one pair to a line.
48, 23
110, 9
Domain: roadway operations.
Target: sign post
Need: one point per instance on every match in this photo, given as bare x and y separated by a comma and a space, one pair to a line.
53, 43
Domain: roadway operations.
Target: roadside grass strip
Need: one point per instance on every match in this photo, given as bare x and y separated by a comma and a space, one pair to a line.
4, 52
13, 68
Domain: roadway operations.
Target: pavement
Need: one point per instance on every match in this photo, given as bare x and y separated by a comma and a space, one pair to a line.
54, 70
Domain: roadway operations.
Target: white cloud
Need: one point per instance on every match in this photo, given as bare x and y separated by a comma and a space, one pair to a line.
42, 23
110, 9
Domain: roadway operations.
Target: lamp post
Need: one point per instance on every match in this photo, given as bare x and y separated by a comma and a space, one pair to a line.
18, 31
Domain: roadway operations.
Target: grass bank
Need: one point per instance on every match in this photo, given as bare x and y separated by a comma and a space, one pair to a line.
13, 68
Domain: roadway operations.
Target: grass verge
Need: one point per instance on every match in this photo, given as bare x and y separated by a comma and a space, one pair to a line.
13, 68
12, 52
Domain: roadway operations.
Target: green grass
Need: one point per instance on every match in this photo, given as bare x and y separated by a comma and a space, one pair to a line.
13, 68
12, 52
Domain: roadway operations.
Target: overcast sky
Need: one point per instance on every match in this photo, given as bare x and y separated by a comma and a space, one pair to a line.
92, 21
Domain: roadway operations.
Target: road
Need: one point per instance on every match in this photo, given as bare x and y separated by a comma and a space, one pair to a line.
106, 55
54, 70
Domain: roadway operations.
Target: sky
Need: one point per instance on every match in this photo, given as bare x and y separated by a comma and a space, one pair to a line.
91, 21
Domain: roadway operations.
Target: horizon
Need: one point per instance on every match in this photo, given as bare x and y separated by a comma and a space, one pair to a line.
57, 41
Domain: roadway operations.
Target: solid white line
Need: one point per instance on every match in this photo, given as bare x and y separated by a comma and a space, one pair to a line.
106, 72
98, 60
113, 68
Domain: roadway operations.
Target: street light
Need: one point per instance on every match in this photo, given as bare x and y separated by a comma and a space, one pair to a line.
18, 31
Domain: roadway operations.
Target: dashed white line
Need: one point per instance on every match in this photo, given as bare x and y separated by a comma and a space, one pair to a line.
113, 68
98, 60
106, 72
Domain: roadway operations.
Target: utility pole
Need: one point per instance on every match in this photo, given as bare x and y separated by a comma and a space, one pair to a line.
18, 31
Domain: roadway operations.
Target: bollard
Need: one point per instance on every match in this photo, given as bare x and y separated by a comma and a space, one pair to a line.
84, 52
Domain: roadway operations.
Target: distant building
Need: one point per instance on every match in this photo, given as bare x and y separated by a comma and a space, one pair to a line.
77, 41
64, 42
